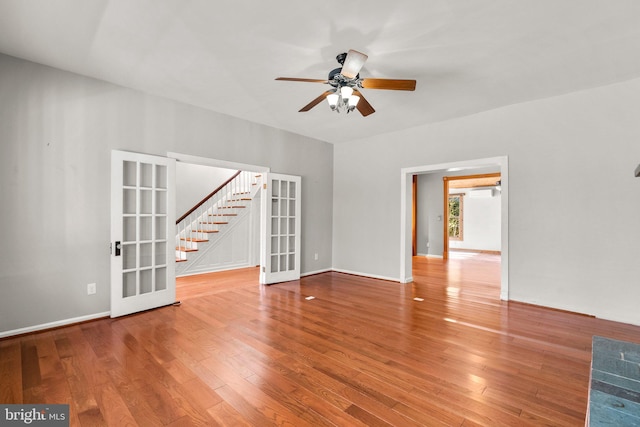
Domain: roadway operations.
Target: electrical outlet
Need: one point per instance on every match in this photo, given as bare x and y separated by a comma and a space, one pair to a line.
91, 288
315, 256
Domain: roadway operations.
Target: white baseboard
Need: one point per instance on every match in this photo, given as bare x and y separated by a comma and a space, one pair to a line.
429, 255
372, 276
55, 324
311, 273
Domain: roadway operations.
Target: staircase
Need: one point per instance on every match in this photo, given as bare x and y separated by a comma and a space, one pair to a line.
209, 218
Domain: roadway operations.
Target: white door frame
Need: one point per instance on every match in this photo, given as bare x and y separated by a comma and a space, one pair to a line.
406, 175
206, 161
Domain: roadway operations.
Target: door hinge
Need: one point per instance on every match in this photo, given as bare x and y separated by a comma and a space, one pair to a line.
264, 185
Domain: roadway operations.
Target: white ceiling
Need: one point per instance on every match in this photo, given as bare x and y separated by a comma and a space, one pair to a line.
467, 56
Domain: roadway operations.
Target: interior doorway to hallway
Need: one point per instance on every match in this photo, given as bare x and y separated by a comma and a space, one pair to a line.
407, 214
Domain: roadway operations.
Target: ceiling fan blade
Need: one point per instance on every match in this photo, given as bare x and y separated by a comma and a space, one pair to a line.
296, 79
353, 63
390, 84
315, 102
363, 105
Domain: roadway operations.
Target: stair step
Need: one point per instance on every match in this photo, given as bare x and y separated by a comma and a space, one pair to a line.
207, 231
214, 222
232, 207
193, 239
180, 260
230, 214
243, 199
185, 249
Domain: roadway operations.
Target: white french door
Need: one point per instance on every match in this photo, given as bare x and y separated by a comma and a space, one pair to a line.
281, 224
142, 232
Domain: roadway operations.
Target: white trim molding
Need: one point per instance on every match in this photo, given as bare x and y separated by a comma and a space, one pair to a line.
372, 276
56, 324
205, 161
313, 273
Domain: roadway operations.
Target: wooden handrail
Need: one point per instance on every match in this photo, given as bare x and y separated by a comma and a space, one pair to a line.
203, 201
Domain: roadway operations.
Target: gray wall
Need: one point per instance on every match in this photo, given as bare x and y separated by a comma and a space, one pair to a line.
57, 131
195, 182
571, 163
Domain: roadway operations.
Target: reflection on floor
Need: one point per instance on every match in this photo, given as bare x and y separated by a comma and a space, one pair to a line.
211, 283
470, 273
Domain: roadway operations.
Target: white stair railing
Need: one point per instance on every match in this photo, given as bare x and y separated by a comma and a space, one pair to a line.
215, 211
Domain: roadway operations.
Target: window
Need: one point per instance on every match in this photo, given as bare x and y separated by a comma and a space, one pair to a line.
455, 216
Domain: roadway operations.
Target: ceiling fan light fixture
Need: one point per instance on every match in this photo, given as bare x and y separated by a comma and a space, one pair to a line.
353, 102
353, 63
346, 92
333, 99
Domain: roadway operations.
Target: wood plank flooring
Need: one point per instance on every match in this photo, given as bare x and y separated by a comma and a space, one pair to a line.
362, 353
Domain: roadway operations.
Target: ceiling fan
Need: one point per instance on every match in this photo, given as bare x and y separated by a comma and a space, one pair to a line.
346, 82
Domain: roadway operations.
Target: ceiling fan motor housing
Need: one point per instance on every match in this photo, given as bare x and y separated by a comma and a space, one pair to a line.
336, 79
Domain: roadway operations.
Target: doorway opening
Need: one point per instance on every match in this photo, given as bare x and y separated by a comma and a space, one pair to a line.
408, 224
471, 213
189, 285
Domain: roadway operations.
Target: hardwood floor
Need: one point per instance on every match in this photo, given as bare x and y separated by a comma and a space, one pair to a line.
362, 353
